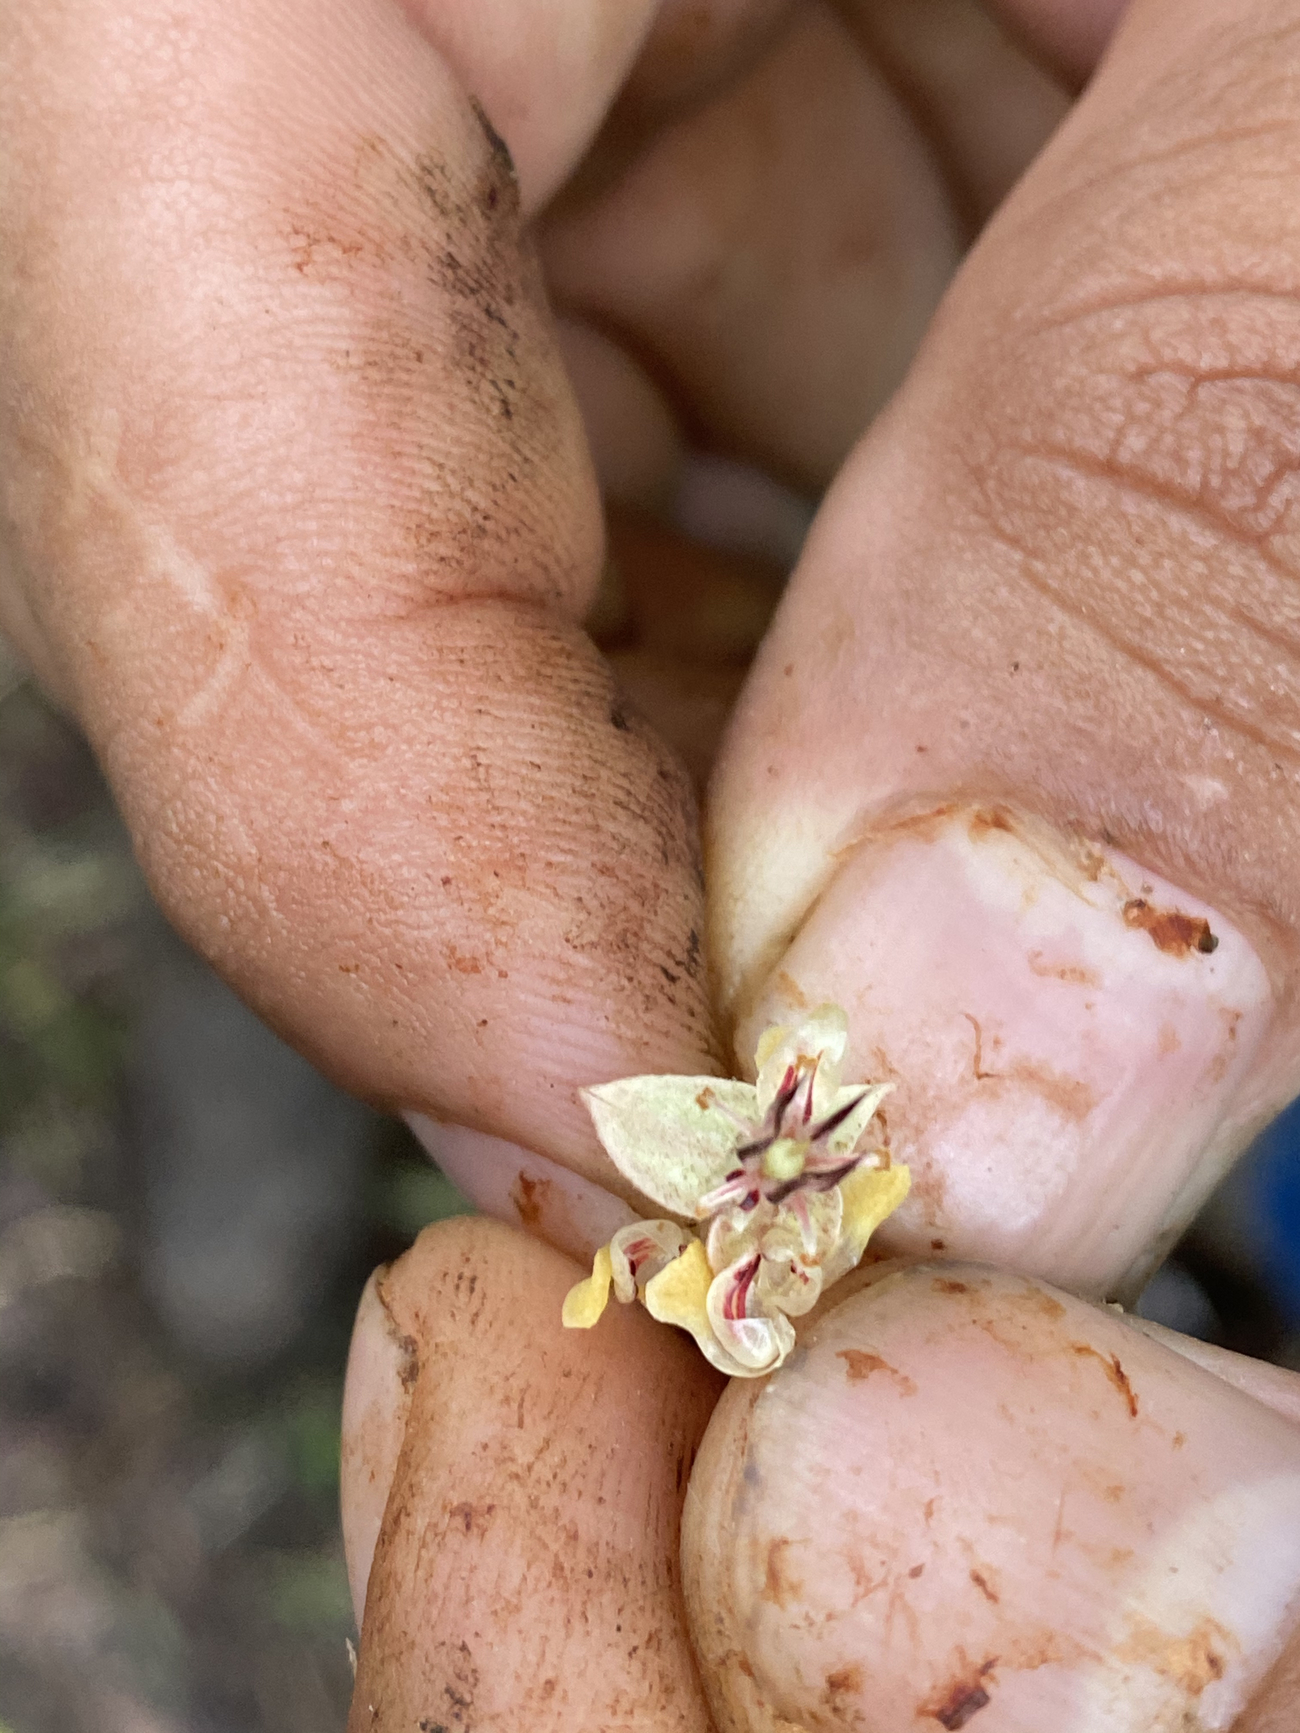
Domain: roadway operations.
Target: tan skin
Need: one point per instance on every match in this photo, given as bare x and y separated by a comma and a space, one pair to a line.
300, 521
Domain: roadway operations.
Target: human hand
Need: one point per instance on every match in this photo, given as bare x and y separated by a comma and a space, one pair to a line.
299, 522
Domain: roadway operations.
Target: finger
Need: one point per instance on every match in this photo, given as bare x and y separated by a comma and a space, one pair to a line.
973, 1501
530, 1483
985, 107
774, 254
546, 70
1070, 34
1015, 778
776, 251
297, 498
635, 442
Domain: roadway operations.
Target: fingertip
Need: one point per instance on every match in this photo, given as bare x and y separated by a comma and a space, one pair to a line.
968, 1490
527, 1561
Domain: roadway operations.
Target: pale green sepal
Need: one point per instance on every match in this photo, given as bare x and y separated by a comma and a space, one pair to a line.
844, 1137
824, 1031
675, 1138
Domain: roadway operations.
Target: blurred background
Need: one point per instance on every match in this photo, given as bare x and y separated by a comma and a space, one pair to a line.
187, 1216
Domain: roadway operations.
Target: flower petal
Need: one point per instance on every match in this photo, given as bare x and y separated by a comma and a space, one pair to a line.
757, 1342
586, 1300
787, 1284
824, 1031
847, 1133
674, 1137
808, 1226
870, 1194
734, 1233
640, 1250
679, 1295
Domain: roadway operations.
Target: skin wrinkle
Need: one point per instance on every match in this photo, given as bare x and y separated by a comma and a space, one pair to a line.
1200, 698
1126, 647
1133, 458
1175, 293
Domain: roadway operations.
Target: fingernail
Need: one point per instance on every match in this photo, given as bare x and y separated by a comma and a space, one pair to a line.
525, 1189
1068, 1034
972, 1495
376, 1397
1277, 1387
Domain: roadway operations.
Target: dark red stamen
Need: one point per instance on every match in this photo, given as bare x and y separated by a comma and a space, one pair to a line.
814, 1181
833, 1121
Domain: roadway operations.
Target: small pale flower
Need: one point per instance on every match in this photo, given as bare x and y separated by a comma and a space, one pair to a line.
774, 1172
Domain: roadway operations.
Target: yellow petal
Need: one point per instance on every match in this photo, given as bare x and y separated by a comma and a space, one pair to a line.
870, 1194
586, 1300
677, 1295
768, 1042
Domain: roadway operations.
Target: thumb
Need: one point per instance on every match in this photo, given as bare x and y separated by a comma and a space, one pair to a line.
298, 515
1016, 777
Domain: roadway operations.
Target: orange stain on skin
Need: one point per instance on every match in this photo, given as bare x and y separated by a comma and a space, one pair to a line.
860, 1365
1073, 973
1170, 931
1114, 1370
1191, 1662
778, 1588
529, 1197
985, 1588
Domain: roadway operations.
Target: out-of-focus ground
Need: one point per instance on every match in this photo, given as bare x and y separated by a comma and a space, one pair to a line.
187, 1215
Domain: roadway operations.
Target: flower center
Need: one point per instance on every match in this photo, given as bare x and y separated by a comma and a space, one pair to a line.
785, 1157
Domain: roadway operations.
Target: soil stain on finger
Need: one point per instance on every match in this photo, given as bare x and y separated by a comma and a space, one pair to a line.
1114, 1370
1169, 930
963, 1700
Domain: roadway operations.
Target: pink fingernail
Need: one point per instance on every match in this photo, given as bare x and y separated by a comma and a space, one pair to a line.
1069, 1035
527, 1190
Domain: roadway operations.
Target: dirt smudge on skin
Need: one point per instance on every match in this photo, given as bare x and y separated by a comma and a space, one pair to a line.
977, 1060
778, 1587
945, 1285
1071, 859
1169, 930
791, 991
988, 818
1075, 974
859, 1365
959, 1702
1036, 1299
530, 1197
843, 1682
985, 1587
1114, 1370
470, 1517
408, 1364
459, 1689
1191, 1662
1070, 1096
